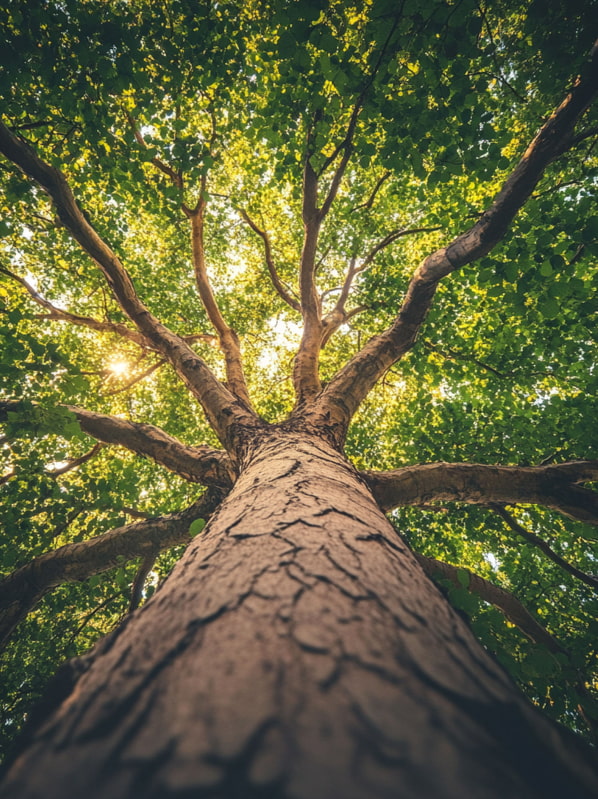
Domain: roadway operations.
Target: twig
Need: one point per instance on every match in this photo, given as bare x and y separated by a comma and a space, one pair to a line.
145, 568
538, 542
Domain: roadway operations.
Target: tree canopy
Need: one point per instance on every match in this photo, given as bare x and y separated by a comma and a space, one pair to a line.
258, 183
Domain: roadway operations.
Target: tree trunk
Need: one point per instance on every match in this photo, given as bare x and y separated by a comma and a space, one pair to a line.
297, 651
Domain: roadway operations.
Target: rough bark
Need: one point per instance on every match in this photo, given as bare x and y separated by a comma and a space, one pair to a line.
23, 589
297, 651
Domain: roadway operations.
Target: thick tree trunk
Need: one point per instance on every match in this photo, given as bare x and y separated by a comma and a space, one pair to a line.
297, 651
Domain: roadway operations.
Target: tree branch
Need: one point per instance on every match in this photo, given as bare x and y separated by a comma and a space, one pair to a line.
333, 320
554, 486
276, 281
58, 314
175, 177
200, 464
145, 567
22, 590
227, 337
370, 200
136, 379
74, 463
223, 410
494, 595
343, 395
538, 542
306, 378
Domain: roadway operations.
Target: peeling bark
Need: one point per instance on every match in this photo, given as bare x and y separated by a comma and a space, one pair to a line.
297, 651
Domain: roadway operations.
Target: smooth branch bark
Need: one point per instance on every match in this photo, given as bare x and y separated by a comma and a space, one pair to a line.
199, 464
338, 401
297, 651
223, 410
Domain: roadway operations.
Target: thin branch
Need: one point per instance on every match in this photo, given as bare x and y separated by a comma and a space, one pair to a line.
175, 177
223, 410
338, 316
357, 310
57, 472
343, 395
555, 486
76, 462
457, 356
370, 200
392, 237
6, 477
145, 567
89, 616
58, 314
500, 75
583, 135
454, 355
276, 281
506, 602
23, 589
538, 542
136, 379
346, 147
134, 513
199, 464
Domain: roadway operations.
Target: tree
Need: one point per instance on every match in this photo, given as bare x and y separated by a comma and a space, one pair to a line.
214, 215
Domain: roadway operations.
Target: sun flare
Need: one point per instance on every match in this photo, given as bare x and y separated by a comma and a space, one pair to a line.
118, 367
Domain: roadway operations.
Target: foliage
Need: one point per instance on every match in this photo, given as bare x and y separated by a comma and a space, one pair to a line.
227, 94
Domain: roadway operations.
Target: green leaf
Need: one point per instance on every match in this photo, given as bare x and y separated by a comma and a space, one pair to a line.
196, 527
546, 269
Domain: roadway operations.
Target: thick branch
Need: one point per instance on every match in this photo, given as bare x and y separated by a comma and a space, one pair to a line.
21, 590
538, 542
200, 464
494, 595
306, 378
554, 486
228, 339
276, 281
341, 398
221, 407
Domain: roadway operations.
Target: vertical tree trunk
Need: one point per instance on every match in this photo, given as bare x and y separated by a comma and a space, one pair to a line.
297, 651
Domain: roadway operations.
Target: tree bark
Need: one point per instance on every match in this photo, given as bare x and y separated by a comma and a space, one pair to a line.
297, 651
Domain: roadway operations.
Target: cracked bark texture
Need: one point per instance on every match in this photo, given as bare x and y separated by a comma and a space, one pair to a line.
297, 651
